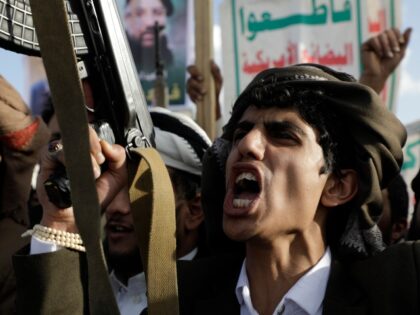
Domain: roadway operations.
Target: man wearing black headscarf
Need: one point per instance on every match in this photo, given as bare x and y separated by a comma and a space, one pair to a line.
304, 157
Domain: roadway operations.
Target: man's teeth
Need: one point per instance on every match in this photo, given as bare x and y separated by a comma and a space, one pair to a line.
241, 203
246, 175
118, 228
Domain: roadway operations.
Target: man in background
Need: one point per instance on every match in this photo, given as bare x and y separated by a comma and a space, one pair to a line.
140, 17
22, 135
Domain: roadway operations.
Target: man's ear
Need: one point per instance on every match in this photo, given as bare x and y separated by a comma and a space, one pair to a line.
339, 190
195, 214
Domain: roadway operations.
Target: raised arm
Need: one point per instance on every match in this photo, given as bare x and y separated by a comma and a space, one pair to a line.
55, 283
381, 55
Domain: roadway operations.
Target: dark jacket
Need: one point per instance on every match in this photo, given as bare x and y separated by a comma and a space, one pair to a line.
16, 168
385, 284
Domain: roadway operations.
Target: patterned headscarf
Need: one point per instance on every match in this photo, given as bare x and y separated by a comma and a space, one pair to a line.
179, 140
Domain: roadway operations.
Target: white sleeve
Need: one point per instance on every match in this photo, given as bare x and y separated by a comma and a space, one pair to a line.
41, 247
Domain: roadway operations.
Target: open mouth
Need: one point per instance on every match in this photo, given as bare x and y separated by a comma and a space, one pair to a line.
246, 190
118, 228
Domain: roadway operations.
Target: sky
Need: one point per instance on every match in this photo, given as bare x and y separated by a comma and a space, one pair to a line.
408, 104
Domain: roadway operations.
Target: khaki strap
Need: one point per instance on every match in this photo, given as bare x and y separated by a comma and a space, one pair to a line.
50, 19
153, 208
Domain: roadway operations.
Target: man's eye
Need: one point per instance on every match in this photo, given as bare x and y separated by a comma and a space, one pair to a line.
238, 135
283, 135
159, 12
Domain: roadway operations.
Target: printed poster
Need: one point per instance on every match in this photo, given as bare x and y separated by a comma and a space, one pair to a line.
139, 18
259, 34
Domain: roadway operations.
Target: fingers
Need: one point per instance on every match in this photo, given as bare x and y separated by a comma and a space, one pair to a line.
116, 176
215, 71
95, 147
405, 38
194, 72
195, 84
217, 76
388, 43
390, 40
115, 155
195, 88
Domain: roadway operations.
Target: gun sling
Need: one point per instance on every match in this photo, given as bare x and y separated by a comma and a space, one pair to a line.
159, 246
60, 64
153, 209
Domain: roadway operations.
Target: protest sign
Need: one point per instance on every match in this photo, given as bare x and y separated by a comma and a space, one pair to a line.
259, 34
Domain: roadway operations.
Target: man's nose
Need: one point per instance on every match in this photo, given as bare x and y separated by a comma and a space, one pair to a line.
148, 20
120, 204
253, 144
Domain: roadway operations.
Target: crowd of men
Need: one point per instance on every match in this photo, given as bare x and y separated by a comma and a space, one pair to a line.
297, 208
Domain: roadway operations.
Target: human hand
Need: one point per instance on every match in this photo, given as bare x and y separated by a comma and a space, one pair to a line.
108, 183
381, 55
195, 84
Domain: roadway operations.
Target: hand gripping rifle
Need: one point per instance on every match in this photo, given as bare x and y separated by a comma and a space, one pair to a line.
94, 35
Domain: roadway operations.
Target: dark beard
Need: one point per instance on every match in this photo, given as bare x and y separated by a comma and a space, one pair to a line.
144, 57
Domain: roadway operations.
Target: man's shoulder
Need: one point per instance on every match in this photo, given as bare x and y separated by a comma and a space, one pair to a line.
397, 263
210, 270
403, 255
385, 283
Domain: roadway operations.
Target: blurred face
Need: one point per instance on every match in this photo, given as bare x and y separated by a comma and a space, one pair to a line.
122, 239
273, 177
119, 227
140, 17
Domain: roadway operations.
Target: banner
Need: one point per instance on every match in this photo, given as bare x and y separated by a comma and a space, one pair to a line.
260, 34
139, 18
411, 164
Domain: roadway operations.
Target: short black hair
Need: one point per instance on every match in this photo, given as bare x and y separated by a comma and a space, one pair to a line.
308, 102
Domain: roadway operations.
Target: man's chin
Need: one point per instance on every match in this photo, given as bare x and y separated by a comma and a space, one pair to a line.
121, 253
235, 232
147, 43
124, 258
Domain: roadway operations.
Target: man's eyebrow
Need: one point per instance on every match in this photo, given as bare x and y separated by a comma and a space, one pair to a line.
245, 125
284, 125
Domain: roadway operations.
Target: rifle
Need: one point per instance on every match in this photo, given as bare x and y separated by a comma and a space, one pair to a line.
160, 88
104, 56
100, 46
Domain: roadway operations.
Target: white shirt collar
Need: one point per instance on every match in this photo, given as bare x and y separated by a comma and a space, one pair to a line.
307, 293
136, 283
131, 299
190, 255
